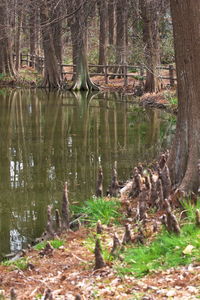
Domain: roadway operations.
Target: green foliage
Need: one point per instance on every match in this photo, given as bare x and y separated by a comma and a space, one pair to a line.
99, 209
165, 252
171, 97
167, 48
190, 209
21, 263
54, 243
2, 76
138, 77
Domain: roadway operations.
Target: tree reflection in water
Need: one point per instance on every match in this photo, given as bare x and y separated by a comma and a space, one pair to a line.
49, 138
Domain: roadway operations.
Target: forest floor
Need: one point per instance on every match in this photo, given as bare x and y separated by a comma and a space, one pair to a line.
68, 272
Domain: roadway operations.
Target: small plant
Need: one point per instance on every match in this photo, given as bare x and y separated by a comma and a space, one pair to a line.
54, 243
171, 97
21, 263
168, 250
190, 209
138, 77
99, 209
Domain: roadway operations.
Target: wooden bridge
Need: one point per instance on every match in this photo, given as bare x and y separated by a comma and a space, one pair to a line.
137, 72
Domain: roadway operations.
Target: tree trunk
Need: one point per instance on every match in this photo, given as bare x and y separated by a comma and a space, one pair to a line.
32, 32
150, 12
6, 60
18, 35
185, 151
111, 20
103, 19
82, 80
57, 29
121, 15
52, 76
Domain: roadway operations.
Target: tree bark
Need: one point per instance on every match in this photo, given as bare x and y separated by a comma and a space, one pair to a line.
82, 80
150, 13
111, 20
121, 43
18, 35
32, 31
6, 60
57, 29
52, 76
103, 29
185, 151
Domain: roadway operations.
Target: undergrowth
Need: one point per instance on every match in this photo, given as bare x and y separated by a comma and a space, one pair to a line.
20, 263
54, 243
167, 250
107, 211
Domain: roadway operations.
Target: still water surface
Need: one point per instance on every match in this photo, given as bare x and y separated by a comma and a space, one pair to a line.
49, 138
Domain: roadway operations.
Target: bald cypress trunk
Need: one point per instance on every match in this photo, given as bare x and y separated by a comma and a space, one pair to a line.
185, 151
6, 60
150, 13
52, 76
82, 79
103, 30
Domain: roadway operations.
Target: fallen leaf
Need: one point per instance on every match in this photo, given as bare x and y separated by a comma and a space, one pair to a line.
188, 249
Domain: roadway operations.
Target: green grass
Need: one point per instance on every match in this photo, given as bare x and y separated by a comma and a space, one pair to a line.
54, 243
21, 263
95, 209
190, 209
171, 97
163, 253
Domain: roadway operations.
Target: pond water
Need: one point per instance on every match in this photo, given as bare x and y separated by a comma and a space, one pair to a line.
49, 138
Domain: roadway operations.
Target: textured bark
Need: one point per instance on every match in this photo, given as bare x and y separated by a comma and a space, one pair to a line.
52, 76
103, 30
185, 151
151, 16
121, 45
99, 262
32, 32
127, 235
18, 35
82, 79
116, 244
56, 27
111, 21
6, 61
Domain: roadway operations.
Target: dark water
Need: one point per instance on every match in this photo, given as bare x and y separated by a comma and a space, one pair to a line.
49, 138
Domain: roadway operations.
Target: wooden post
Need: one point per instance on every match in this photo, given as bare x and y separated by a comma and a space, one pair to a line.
171, 75
125, 75
106, 74
21, 59
141, 75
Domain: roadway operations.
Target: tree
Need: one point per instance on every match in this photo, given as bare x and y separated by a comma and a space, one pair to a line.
78, 25
6, 61
52, 76
185, 151
103, 29
151, 12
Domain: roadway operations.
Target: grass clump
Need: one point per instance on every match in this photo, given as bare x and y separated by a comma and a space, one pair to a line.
165, 252
99, 209
20, 263
54, 243
168, 249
